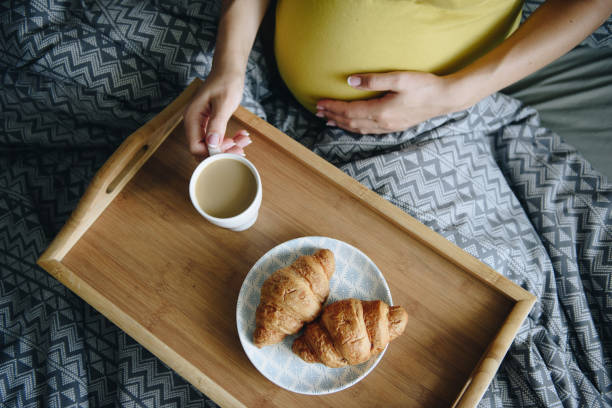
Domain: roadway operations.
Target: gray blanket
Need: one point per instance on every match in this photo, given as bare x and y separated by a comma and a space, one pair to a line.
78, 77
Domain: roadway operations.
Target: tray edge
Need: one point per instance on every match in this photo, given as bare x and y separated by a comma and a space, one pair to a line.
116, 172
485, 369
489, 363
130, 156
415, 228
126, 323
106, 184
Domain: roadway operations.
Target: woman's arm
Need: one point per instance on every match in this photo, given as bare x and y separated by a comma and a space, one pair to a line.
413, 97
208, 113
238, 25
552, 30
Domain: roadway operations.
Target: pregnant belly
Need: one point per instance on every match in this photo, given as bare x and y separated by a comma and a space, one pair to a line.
318, 43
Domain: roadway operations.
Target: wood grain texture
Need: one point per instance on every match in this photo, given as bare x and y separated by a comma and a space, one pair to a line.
147, 260
118, 171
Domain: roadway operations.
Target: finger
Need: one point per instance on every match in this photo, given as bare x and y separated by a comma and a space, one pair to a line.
198, 148
360, 109
362, 126
242, 139
236, 150
217, 123
227, 144
386, 81
195, 120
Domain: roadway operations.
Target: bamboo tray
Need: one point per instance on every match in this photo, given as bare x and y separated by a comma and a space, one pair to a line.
137, 251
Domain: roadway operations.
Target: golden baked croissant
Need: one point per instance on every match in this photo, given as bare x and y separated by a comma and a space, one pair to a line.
293, 296
350, 331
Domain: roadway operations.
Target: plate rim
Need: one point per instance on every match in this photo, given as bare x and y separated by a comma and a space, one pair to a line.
241, 294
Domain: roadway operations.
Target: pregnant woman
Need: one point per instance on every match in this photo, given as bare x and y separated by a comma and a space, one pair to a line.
382, 66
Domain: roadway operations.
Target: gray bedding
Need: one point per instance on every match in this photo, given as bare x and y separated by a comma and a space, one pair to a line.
78, 77
574, 99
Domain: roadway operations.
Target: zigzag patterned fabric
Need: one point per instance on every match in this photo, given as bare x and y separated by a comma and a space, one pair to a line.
78, 77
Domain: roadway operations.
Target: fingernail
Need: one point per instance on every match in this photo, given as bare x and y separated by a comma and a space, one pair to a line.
319, 107
331, 123
354, 81
320, 114
244, 132
212, 150
213, 140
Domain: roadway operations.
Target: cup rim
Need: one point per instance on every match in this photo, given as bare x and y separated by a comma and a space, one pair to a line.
207, 161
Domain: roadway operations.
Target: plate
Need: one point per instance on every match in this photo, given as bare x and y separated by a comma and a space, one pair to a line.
355, 276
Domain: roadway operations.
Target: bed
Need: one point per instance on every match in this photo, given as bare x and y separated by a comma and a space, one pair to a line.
79, 77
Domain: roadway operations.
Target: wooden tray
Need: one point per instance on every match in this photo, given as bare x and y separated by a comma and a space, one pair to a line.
137, 251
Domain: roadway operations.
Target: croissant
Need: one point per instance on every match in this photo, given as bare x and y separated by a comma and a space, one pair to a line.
293, 296
350, 331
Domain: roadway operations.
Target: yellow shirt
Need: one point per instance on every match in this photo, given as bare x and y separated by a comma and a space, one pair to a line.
319, 43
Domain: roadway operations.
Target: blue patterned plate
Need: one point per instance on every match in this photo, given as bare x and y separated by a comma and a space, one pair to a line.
355, 276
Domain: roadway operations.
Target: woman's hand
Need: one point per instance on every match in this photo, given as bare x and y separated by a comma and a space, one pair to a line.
553, 29
209, 111
211, 108
410, 98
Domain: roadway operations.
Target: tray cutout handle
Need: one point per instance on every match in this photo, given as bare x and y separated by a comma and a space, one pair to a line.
140, 153
117, 172
489, 363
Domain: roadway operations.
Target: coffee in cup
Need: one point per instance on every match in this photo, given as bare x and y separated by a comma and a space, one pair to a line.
226, 190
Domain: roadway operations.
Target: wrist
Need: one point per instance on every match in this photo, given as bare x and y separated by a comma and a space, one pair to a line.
229, 57
229, 65
465, 89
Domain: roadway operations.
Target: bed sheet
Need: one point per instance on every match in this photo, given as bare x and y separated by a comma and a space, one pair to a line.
77, 77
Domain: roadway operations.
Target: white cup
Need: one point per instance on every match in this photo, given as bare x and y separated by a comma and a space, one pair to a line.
238, 222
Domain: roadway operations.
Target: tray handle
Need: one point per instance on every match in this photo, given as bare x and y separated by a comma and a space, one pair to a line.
117, 171
129, 169
487, 367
